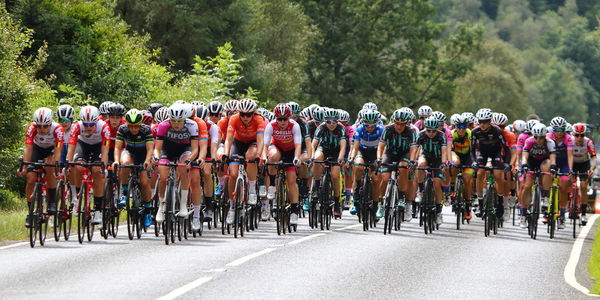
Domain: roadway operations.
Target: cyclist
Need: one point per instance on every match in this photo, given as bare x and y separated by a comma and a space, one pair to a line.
501, 120
398, 144
424, 113
461, 156
364, 151
104, 110
231, 108
539, 153
564, 163
65, 115
448, 133
488, 143
177, 141
214, 137
245, 138
43, 142
283, 142
306, 151
584, 161
344, 119
330, 144
432, 143
115, 113
134, 145
161, 115
153, 108
89, 142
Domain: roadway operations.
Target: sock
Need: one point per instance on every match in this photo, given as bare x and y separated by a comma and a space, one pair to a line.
196, 211
161, 200
208, 201
272, 181
252, 186
583, 209
222, 180
183, 199
295, 208
231, 204
74, 191
51, 195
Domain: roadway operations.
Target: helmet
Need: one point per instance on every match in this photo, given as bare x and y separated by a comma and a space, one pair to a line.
424, 111
202, 112
439, 116
453, 119
401, 115
569, 128
65, 111
89, 114
282, 110
519, 125
344, 116
558, 122
470, 117
409, 111
198, 103
484, 114
361, 114
180, 102
148, 118
42, 116
232, 106
178, 112
215, 107
462, 119
432, 123
104, 107
247, 105
549, 129
579, 128
499, 119
154, 107
311, 109
529, 125
269, 116
319, 114
134, 117
370, 105
370, 116
161, 114
539, 130
331, 114
116, 109
383, 119
305, 113
295, 107
261, 111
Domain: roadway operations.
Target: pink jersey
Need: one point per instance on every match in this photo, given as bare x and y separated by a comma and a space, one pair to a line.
537, 151
100, 134
420, 124
521, 140
55, 136
350, 133
562, 146
285, 139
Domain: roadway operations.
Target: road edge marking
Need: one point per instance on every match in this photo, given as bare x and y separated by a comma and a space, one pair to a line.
185, 288
14, 245
570, 268
306, 238
248, 257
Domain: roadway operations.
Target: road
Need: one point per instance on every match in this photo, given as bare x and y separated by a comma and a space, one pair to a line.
343, 263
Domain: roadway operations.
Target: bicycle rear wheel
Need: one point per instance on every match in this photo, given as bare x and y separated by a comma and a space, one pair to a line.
58, 216
33, 217
238, 200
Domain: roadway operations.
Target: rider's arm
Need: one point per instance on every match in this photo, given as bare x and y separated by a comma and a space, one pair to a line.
149, 151
158, 144
297, 134
203, 148
260, 141
194, 146
228, 142
59, 135
118, 150
267, 140
552, 159
27, 153
309, 148
342, 149
380, 149
524, 157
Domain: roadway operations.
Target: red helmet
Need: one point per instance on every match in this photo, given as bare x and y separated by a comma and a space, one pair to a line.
579, 128
282, 110
148, 118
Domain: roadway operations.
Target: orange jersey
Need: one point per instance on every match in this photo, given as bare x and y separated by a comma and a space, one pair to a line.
222, 124
246, 133
511, 139
202, 129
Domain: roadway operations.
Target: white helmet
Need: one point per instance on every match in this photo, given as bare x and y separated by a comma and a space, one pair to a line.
440, 116
529, 125
539, 130
178, 112
558, 122
89, 114
454, 119
344, 116
247, 105
470, 117
499, 119
42, 116
161, 114
519, 126
569, 128
104, 107
484, 114
232, 106
180, 102
424, 111
65, 111
370, 105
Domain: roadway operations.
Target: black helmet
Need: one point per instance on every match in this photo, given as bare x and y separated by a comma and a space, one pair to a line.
154, 107
116, 109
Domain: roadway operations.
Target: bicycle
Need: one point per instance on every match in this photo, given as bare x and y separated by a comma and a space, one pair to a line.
133, 205
490, 202
367, 207
534, 213
84, 216
322, 208
553, 210
283, 209
171, 222
428, 209
459, 206
575, 202
64, 213
110, 207
393, 203
241, 194
38, 219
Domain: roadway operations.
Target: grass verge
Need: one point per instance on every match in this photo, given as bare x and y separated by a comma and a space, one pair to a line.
594, 265
12, 225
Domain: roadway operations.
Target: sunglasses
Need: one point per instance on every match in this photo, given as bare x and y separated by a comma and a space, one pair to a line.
431, 130
282, 119
369, 125
400, 123
485, 121
63, 120
215, 115
294, 116
89, 124
42, 126
177, 121
461, 126
134, 126
331, 121
247, 114
579, 135
540, 137
558, 129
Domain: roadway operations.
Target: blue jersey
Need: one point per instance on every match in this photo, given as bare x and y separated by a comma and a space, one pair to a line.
368, 140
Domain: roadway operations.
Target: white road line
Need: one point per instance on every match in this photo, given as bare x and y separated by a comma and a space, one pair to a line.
14, 245
246, 258
571, 266
184, 289
348, 227
304, 239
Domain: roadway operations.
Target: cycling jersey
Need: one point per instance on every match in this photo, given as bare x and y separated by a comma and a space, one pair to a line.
222, 124
330, 139
521, 140
510, 138
303, 129
246, 133
349, 133
285, 139
461, 144
539, 152
420, 124
113, 133
432, 147
366, 139
202, 129
448, 133
214, 134
312, 126
561, 146
135, 142
489, 144
54, 137
398, 143
584, 152
175, 138
100, 134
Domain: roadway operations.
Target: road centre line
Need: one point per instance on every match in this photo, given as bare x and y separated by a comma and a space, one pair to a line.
185, 288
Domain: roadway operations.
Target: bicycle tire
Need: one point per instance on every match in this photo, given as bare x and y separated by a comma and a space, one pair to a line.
238, 199
89, 227
459, 211
32, 216
81, 214
57, 219
279, 202
536, 211
135, 190
129, 208
574, 211
43, 224
552, 215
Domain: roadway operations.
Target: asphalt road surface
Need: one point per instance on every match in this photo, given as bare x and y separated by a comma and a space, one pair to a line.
345, 262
